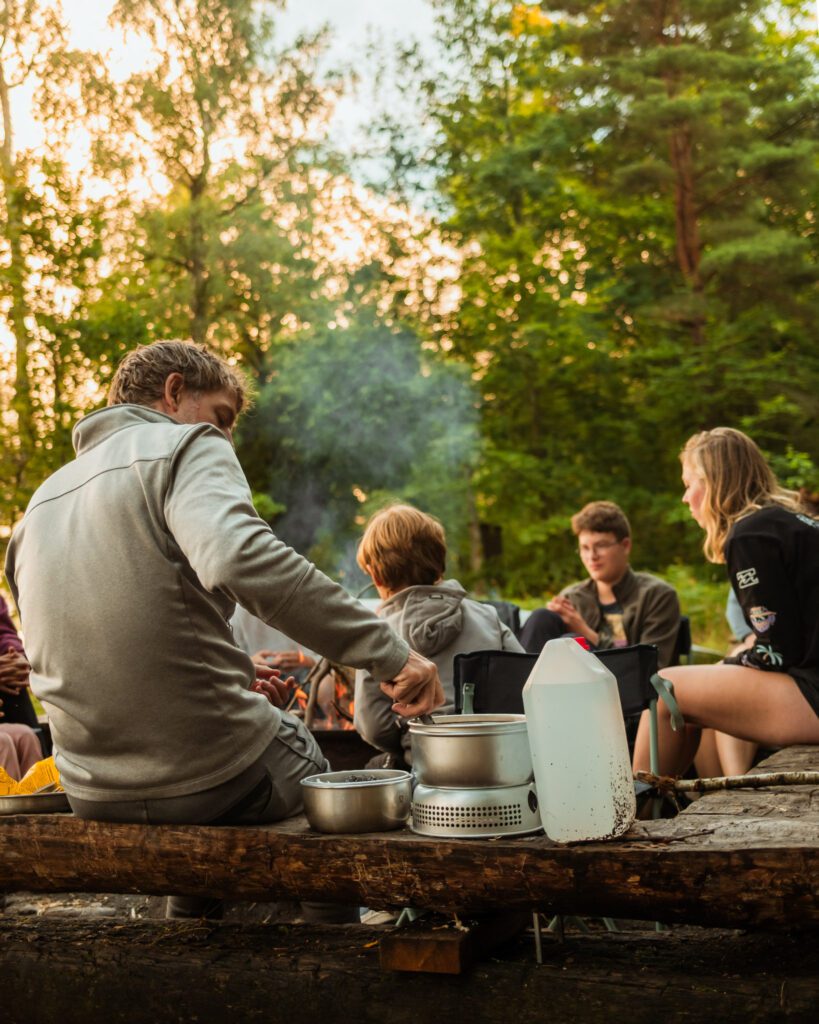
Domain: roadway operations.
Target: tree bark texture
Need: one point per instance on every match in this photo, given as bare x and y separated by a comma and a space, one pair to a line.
688, 243
84, 973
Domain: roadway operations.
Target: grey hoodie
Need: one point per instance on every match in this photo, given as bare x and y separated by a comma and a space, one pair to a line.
438, 621
125, 569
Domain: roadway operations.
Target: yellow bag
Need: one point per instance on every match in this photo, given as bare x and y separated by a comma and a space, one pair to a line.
44, 773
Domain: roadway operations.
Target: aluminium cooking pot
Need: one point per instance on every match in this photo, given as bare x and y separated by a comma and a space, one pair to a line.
368, 800
471, 751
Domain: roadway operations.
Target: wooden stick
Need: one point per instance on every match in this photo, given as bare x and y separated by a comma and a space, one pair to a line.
315, 676
667, 783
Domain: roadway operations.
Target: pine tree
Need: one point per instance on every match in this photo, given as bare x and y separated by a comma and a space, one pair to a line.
634, 186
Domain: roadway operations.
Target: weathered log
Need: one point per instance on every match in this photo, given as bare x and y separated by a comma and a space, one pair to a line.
152, 973
759, 868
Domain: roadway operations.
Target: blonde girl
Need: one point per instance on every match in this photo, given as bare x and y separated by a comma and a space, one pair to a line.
769, 693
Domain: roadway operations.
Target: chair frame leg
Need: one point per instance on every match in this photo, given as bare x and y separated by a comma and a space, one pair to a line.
538, 937
653, 742
654, 759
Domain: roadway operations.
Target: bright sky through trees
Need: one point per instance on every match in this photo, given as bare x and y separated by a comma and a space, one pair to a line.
351, 23
656, 161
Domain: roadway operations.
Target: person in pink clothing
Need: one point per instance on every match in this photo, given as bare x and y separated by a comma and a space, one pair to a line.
14, 673
19, 749
19, 745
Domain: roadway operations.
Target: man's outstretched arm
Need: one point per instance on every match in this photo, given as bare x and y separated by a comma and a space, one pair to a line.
416, 689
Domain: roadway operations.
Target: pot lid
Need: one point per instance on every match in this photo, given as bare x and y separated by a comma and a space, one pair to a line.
468, 725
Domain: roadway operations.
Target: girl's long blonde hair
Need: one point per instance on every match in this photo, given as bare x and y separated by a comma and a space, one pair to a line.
737, 481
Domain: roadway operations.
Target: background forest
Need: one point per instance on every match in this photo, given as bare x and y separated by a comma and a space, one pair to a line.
586, 231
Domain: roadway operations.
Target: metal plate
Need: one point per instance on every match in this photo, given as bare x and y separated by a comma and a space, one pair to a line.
34, 803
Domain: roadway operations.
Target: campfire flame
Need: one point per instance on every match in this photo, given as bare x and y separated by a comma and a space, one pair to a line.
343, 704
335, 701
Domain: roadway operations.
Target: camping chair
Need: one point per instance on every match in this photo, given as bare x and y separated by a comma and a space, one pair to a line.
488, 682
18, 709
683, 645
508, 613
686, 652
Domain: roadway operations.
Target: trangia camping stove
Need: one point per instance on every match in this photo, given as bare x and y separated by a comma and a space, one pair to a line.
474, 777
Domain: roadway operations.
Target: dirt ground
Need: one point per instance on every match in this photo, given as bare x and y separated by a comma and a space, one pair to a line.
120, 907
134, 908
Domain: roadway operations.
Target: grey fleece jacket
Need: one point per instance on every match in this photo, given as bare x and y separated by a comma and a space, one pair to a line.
438, 621
125, 570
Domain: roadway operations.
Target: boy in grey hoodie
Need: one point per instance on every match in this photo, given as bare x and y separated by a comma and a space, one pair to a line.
403, 551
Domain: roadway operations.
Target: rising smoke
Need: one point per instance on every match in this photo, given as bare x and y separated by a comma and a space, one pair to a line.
349, 418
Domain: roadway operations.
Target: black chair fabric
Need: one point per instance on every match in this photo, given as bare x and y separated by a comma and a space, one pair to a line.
18, 710
508, 613
498, 678
682, 647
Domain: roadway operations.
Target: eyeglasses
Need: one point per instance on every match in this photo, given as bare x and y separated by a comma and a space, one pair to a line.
598, 548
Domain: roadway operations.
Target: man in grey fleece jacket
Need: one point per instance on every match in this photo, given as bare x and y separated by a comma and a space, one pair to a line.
126, 569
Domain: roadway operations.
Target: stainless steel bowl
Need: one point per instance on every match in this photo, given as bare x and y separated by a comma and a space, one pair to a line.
364, 800
34, 803
469, 751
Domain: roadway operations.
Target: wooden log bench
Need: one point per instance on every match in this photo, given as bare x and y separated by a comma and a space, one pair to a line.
737, 859
151, 972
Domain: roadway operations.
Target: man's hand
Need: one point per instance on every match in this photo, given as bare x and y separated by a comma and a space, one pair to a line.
416, 689
270, 684
289, 661
572, 618
14, 672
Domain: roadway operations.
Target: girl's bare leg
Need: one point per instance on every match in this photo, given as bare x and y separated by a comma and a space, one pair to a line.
735, 756
764, 707
674, 747
721, 754
707, 762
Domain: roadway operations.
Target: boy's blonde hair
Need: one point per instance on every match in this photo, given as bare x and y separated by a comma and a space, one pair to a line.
403, 547
140, 377
737, 481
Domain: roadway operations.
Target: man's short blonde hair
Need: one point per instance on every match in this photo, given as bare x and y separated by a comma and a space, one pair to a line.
403, 547
140, 377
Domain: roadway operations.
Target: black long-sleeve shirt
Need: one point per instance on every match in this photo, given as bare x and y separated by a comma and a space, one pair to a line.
772, 557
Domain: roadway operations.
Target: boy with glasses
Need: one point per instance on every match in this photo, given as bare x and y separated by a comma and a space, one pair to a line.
615, 606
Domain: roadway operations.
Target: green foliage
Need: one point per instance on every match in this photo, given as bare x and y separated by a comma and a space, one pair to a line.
50, 251
628, 192
348, 418
232, 131
268, 509
703, 601
634, 187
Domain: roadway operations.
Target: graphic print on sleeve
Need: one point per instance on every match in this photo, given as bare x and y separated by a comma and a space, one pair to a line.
762, 618
747, 578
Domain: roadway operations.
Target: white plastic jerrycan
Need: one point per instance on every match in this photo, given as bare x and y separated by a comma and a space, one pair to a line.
578, 743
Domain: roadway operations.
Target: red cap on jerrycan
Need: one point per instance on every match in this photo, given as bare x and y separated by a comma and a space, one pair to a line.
584, 643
